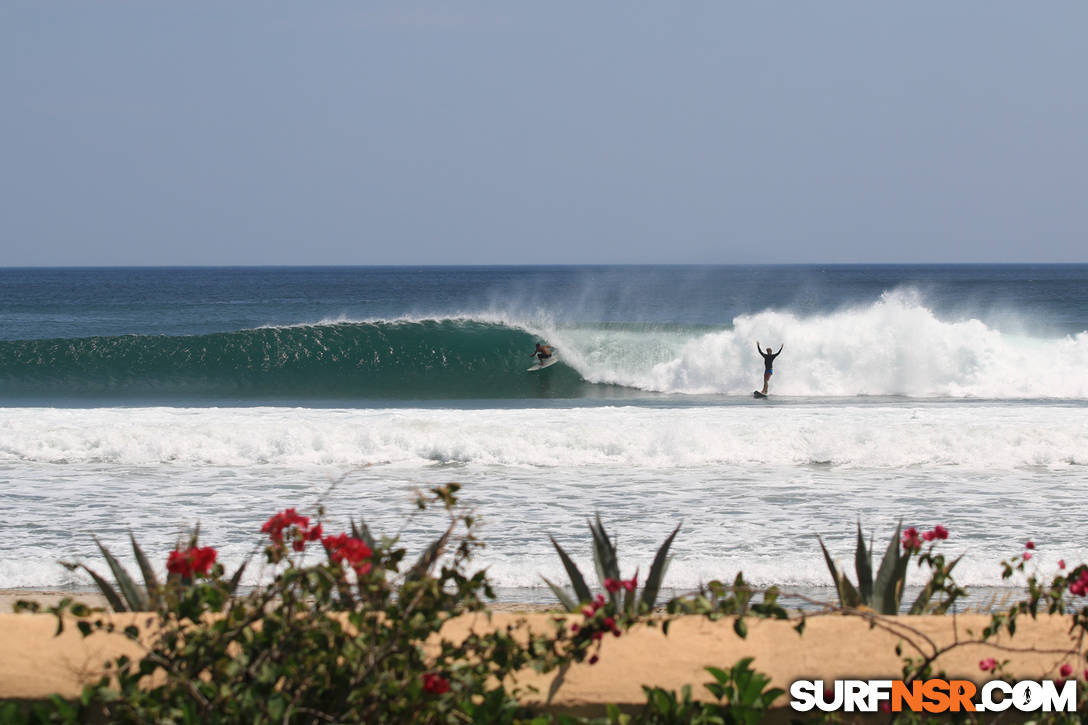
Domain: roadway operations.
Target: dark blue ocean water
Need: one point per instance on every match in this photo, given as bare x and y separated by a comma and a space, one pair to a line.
928, 394
350, 334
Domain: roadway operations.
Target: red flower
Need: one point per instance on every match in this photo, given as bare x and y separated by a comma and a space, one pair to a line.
1030, 545
344, 549
1026, 556
594, 659
194, 560
435, 684
613, 585
1080, 586
631, 583
911, 540
1066, 670
929, 535
987, 664
940, 531
296, 526
1061, 563
574, 628
609, 623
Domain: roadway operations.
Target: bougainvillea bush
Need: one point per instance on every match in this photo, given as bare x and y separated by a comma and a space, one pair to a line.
347, 631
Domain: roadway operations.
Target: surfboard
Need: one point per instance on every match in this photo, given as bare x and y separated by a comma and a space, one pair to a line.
757, 394
547, 363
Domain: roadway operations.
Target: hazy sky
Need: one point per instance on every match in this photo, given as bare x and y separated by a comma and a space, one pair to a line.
559, 132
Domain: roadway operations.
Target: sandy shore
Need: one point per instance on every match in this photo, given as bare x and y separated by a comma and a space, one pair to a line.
37, 663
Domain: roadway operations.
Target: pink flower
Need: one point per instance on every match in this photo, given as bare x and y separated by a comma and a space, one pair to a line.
574, 628
929, 535
940, 531
609, 623
1026, 556
613, 585
1061, 563
1030, 544
631, 583
987, 664
1066, 670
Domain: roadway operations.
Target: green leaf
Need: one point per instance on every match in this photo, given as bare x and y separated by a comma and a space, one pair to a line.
151, 582
834, 572
577, 581
106, 588
237, 578
136, 599
849, 594
863, 564
884, 588
569, 604
657, 571
740, 627
718, 674
604, 557
922, 601
362, 532
429, 556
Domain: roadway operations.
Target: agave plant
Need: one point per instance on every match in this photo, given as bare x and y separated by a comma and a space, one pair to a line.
128, 595
885, 593
624, 595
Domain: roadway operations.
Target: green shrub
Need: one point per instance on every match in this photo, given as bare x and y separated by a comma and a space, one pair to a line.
622, 593
884, 593
354, 637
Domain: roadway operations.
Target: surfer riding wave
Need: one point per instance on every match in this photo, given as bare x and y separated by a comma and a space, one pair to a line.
768, 360
542, 352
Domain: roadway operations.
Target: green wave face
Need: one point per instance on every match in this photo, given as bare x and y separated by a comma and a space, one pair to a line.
375, 360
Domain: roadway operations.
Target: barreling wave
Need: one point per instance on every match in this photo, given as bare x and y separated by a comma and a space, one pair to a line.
450, 358
895, 346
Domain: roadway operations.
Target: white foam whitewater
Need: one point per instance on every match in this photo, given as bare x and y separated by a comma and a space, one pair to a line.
894, 346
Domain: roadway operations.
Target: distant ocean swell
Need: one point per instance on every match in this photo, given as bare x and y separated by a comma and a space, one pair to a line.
894, 346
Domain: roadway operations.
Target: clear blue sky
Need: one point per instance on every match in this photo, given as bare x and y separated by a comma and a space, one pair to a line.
502, 132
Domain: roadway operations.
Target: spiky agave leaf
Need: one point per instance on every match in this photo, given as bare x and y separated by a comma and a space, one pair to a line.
569, 604
111, 595
835, 576
577, 581
236, 579
657, 571
134, 598
151, 582
887, 589
604, 557
863, 564
362, 532
429, 556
